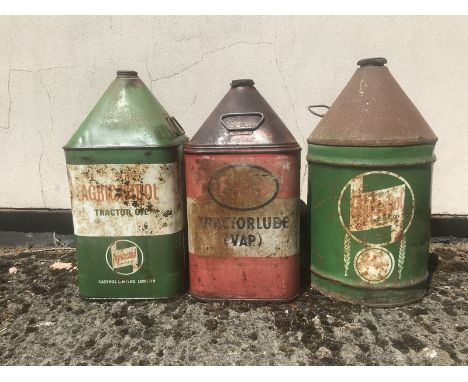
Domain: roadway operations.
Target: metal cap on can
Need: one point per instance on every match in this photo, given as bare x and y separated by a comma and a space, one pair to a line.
372, 110
126, 73
375, 61
127, 116
242, 120
242, 82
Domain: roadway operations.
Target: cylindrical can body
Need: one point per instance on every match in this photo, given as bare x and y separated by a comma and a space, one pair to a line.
128, 216
370, 222
370, 172
243, 214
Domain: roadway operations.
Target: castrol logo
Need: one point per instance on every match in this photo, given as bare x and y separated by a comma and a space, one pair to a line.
362, 209
124, 257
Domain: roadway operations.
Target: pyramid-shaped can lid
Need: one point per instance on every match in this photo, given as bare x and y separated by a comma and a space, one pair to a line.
127, 116
372, 110
243, 120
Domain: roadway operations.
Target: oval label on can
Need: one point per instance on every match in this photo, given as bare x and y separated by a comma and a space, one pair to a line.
243, 187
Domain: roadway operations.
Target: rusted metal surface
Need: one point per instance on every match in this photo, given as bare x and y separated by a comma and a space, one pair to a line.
243, 120
377, 209
218, 227
372, 110
243, 225
242, 181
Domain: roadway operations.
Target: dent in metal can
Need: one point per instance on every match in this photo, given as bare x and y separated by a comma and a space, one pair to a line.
370, 164
242, 181
125, 172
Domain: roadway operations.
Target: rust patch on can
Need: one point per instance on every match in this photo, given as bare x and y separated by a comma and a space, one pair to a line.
372, 110
374, 264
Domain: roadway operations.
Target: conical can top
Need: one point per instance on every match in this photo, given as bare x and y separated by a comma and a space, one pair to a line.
127, 116
372, 110
242, 120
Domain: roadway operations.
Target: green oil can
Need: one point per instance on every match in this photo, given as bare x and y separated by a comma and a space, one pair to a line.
370, 169
125, 171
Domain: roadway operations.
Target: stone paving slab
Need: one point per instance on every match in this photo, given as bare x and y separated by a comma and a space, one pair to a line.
43, 321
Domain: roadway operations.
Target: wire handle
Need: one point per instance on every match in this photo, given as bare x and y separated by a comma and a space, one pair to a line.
175, 125
314, 112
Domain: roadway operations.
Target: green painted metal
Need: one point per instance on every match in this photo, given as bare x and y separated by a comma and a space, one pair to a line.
163, 275
126, 156
127, 115
126, 139
340, 255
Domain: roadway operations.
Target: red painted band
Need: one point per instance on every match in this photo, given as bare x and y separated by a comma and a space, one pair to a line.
244, 277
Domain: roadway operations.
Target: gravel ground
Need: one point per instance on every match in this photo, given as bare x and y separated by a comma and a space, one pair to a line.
43, 321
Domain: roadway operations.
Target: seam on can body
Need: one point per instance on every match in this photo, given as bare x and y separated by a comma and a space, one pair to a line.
370, 164
370, 286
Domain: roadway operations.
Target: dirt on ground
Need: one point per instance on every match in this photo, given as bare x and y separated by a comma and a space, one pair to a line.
43, 321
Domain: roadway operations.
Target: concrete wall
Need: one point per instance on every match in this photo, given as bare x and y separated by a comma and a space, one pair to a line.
53, 70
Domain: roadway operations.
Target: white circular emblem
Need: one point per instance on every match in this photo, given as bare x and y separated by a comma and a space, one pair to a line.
374, 264
124, 257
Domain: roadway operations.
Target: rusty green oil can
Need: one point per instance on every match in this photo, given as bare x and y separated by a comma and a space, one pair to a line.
125, 171
370, 167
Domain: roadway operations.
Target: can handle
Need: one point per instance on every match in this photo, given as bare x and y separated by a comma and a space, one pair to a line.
175, 126
249, 114
314, 112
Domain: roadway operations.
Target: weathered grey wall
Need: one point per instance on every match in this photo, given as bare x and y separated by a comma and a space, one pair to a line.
53, 70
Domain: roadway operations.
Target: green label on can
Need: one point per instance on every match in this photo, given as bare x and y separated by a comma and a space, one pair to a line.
131, 267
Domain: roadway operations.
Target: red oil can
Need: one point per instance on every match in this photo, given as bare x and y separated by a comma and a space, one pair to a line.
242, 175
